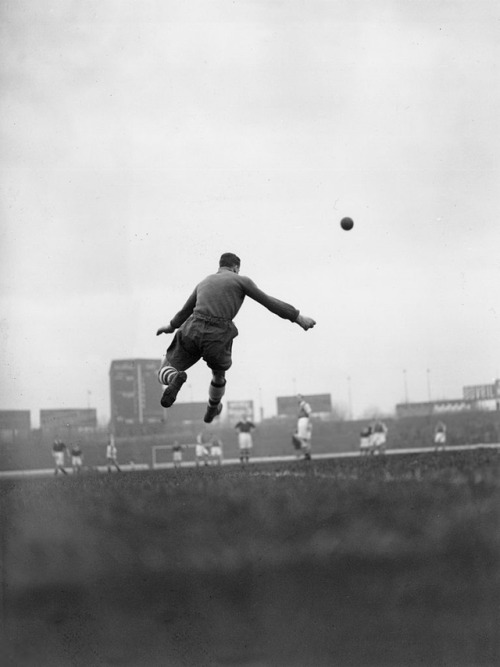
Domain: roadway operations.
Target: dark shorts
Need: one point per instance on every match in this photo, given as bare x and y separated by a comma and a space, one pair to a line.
200, 339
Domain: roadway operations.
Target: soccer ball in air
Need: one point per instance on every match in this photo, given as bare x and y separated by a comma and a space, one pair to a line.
347, 223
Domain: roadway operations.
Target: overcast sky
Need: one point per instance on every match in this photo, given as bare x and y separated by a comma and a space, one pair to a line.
140, 140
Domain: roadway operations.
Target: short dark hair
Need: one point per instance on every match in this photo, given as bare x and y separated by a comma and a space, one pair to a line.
229, 259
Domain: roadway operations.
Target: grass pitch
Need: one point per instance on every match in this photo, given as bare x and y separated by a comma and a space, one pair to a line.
376, 561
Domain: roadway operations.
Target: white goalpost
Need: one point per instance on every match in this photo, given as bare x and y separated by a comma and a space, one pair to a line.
161, 455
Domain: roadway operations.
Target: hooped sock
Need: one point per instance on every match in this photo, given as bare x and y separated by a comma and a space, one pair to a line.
166, 374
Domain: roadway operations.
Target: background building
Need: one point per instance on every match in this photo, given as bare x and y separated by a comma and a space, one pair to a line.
185, 413
475, 397
486, 396
135, 396
321, 405
236, 410
429, 408
65, 423
14, 425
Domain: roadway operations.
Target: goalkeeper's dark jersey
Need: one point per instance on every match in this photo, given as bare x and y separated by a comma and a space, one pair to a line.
221, 295
245, 427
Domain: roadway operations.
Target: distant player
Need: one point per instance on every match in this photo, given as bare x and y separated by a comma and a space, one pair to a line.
112, 454
201, 450
177, 454
378, 437
76, 458
365, 440
245, 440
216, 451
59, 450
297, 444
304, 426
440, 436
206, 330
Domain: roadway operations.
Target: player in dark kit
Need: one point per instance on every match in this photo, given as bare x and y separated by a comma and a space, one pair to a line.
205, 330
59, 451
76, 458
177, 454
245, 442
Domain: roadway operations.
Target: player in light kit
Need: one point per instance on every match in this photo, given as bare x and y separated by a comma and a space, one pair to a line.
245, 441
201, 450
297, 444
304, 426
378, 437
205, 330
440, 436
365, 440
112, 454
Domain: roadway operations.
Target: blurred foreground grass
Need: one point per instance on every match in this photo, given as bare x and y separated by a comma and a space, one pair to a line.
377, 561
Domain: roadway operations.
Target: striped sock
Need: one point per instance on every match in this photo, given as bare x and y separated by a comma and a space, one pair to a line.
166, 374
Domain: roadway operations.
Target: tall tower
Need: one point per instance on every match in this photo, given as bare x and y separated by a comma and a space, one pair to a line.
135, 396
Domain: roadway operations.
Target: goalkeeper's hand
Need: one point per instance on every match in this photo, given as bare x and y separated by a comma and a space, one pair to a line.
305, 322
167, 329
